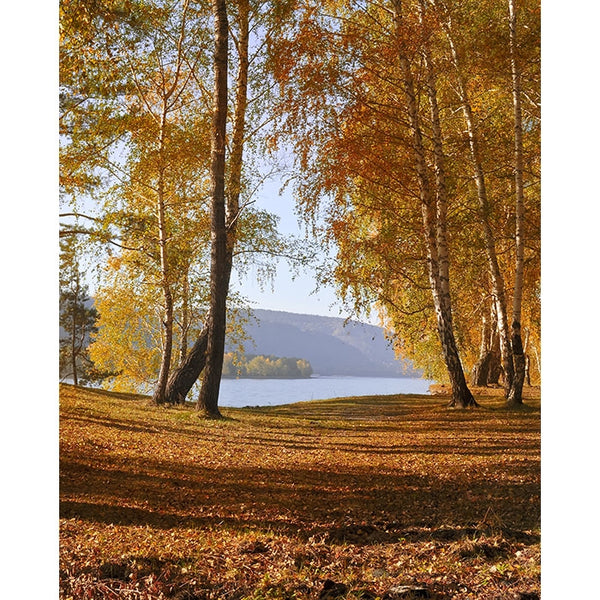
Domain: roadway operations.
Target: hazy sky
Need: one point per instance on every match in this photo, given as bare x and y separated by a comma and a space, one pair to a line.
288, 294
291, 294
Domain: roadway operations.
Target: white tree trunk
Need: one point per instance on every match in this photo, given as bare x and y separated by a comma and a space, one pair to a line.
434, 234
497, 279
515, 395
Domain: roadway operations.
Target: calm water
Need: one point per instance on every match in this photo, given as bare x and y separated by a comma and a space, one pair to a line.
271, 392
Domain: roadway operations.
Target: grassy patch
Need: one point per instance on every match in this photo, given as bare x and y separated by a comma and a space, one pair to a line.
370, 493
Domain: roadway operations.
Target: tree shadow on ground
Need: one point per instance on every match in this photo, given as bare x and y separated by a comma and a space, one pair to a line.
303, 502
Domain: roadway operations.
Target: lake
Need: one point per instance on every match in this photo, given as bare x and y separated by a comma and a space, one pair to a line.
271, 392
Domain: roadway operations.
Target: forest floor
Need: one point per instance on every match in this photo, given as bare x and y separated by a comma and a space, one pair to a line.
378, 497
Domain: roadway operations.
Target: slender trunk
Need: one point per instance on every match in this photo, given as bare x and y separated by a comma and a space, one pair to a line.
159, 392
538, 361
490, 246
488, 368
527, 360
239, 125
496, 370
461, 395
185, 319
73, 339
186, 375
481, 369
440, 174
515, 394
166, 92
484, 211
217, 320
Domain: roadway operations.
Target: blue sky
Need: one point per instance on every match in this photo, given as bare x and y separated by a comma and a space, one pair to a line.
291, 294
288, 293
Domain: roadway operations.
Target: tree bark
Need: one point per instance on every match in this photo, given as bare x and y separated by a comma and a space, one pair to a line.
488, 368
219, 279
434, 228
186, 375
166, 94
481, 369
515, 394
484, 210
74, 334
185, 321
440, 174
159, 392
527, 358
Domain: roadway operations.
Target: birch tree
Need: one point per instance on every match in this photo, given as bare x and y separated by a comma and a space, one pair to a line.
496, 275
434, 216
401, 125
370, 156
515, 392
136, 125
503, 53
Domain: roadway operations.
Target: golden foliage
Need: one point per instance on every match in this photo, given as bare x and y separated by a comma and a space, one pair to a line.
344, 110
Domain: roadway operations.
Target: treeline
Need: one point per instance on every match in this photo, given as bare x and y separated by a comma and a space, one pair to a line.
261, 366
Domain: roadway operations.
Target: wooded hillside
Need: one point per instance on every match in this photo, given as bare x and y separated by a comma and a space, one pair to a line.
331, 345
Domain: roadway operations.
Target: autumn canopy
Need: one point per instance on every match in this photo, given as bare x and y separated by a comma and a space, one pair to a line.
409, 132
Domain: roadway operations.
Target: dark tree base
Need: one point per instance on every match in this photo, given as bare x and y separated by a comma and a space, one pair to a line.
210, 415
463, 401
185, 376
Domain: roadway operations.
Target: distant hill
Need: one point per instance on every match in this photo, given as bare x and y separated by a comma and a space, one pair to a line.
331, 345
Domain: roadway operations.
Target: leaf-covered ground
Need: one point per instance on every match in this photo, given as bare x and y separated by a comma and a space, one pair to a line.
348, 498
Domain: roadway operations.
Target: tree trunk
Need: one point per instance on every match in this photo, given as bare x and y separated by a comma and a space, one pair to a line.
440, 174
538, 361
488, 368
159, 393
484, 211
73, 339
186, 375
527, 358
185, 318
166, 92
434, 231
461, 395
496, 373
515, 394
219, 279
481, 369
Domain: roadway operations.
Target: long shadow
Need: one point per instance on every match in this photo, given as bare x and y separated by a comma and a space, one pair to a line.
123, 515
260, 437
330, 501
457, 448
124, 425
173, 493
379, 533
